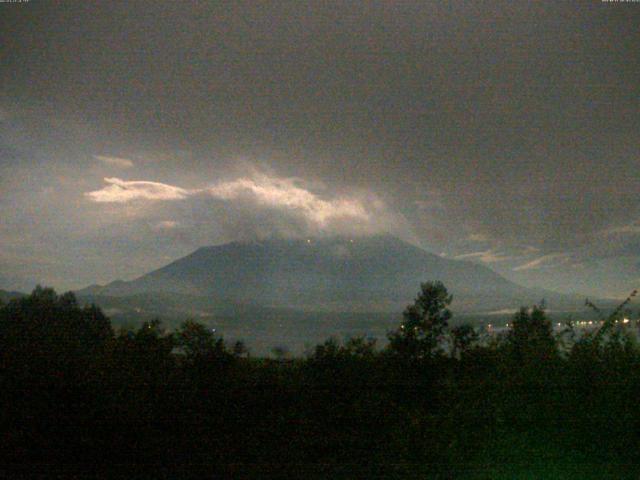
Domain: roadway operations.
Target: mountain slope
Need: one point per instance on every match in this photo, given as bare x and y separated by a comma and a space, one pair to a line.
6, 296
380, 273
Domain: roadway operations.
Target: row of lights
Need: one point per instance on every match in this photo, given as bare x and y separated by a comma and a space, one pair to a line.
580, 323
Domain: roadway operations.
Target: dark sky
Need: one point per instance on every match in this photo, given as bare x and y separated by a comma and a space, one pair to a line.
503, 132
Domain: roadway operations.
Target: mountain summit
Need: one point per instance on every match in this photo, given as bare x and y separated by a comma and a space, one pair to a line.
378, 273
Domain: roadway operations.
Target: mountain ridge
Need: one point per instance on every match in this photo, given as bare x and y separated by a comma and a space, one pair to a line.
376, 273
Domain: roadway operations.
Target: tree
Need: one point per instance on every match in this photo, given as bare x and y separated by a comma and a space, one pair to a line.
354, 348
44, 324
240, 349
463, 336
531, 336
425, 322
281, 353
197, 341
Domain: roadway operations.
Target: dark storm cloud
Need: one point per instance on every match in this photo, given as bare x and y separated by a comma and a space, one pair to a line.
504, 131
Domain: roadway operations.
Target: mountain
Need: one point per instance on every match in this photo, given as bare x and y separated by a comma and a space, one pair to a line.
340, 274
6, 296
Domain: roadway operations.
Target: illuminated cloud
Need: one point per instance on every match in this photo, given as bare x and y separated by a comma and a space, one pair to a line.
261, 204
478, 237
631, 228
114, 161
262, 190
487, 256
284, 193
539, 261
167, 225
122, 191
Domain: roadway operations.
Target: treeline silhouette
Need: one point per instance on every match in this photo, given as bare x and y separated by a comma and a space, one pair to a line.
436, 402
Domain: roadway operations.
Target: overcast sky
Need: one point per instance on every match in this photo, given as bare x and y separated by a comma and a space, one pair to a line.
502, 132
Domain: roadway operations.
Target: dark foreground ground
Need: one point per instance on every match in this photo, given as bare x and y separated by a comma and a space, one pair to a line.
78, 400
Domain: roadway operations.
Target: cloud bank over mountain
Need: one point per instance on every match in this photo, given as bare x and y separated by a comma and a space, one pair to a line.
295, 209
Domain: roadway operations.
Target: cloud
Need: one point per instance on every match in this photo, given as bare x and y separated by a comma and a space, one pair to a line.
260, 205
530, 249
487, 256
478, 237
262, 190
631, 228
114, 161
539, 261
122, 191
284, 193
166, 225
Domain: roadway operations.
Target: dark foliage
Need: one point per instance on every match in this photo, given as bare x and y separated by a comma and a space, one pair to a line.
425, 322
438, 402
